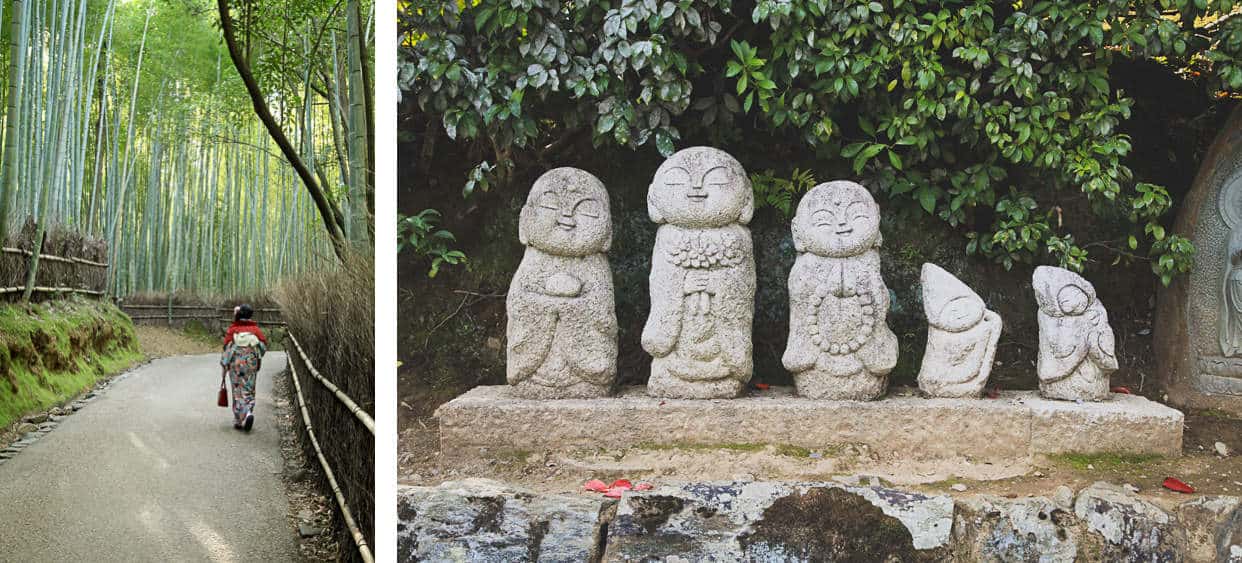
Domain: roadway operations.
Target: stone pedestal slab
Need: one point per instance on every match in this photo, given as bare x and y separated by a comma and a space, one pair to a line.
1017, 424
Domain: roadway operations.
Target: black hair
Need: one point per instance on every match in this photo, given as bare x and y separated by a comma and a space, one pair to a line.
244, 311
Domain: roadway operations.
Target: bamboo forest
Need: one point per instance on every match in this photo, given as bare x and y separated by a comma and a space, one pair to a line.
215, 146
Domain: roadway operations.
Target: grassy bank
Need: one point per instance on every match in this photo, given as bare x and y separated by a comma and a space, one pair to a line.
52, 351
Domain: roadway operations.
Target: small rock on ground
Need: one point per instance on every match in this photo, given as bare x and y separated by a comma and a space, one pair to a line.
309, 530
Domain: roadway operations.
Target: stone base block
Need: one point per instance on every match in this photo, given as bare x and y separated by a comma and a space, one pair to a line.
1017, 424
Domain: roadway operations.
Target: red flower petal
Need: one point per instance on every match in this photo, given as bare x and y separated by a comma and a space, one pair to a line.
762, 386
622, 484
1125, 390
644, 487
613, 493
1174, 484
595, 485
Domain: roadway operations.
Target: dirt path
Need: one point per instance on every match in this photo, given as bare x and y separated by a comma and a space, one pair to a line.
152, 470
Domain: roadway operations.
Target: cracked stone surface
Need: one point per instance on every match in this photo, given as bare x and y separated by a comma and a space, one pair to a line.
485, 521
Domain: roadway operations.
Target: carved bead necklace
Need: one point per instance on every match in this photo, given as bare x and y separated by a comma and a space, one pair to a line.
866, 305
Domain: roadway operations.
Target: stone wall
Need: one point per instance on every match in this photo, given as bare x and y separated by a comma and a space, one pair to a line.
483, 520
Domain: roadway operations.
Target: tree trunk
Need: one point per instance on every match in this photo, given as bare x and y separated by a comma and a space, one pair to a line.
335, 230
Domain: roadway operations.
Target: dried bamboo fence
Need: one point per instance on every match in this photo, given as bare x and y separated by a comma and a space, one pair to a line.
360, 417
56, 275
211, 316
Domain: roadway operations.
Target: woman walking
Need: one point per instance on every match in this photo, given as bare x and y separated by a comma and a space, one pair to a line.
244, 346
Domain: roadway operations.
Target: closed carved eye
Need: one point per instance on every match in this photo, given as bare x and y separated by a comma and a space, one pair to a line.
857, 210
717, 176
588, 208
676, 176
823, 218
549, 200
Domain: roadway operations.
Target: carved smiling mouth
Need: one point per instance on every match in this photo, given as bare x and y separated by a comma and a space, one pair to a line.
696, 197
565, 226
845, 231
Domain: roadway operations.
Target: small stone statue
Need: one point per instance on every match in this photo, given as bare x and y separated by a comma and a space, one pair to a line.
562, 324
961, 337
1076, 347
840, 346
702, 277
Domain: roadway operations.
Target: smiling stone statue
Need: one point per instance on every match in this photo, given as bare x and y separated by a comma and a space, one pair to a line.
840, 346
961, 337
562, 324
702, 277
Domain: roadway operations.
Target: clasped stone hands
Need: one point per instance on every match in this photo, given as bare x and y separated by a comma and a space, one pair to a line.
698, 291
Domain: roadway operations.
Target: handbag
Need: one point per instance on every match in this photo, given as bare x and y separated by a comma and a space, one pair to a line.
222, 398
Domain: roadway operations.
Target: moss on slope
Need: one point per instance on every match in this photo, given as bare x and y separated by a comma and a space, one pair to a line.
51, 351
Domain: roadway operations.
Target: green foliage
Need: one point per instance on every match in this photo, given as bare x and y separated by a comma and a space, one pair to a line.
420, 233
952, 107
779, 193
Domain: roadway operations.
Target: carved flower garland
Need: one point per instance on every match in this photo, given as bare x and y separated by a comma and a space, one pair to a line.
865, 302
701, 251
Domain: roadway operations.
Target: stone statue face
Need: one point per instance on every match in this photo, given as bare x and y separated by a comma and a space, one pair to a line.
837, 219
700, 187
959, 314
1072, 300
1061, 293
567, 214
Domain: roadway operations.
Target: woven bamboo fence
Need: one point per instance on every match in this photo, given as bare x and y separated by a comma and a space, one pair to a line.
56, 275
347, 422
210, 315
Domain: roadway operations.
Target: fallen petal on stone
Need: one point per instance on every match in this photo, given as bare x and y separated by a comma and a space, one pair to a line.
1174, 484
1125, 390
644, 487
595, 485
621, 484
613, 493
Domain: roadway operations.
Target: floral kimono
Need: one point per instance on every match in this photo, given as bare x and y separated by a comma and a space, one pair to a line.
242, 357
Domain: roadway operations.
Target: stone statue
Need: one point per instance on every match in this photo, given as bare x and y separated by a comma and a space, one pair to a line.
961, 337
702, 277
1076, 346
562, 324
840, 346
1229, 330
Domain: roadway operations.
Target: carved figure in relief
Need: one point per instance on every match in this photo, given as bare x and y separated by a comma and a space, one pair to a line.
961, 337
1076, 343
1230, 323
1231, 308
702, 277
562, 328
840, 346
